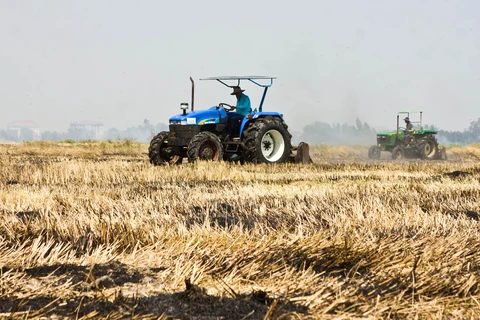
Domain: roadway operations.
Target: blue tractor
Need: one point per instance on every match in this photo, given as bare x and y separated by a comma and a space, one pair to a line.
263, 137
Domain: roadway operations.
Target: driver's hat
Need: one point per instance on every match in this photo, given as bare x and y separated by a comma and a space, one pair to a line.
236, 90
407, 119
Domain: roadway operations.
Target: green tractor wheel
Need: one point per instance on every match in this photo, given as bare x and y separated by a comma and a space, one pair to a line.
398, 153
160, 153
427, 148
374, 152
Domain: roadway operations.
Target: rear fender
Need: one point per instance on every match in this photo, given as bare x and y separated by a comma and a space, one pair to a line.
258, 115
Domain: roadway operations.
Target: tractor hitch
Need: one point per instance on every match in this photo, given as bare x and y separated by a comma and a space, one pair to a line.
300, 154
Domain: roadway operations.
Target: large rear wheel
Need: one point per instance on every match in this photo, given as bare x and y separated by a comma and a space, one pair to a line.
160, 153
427, 148
205, 146
267, 140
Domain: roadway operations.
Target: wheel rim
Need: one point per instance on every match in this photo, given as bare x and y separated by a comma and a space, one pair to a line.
272, 145
428, 148
175, 159
208, 151
399, 154
166, 154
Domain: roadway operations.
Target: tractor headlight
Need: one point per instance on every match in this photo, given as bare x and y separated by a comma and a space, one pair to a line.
184, 107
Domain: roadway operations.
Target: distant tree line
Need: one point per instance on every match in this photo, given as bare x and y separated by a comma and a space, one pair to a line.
141, 133
336, 134
315, 133
467, 136
13, 136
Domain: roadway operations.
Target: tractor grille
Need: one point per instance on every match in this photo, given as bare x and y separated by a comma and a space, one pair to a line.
182, 131
382, 140
180, 135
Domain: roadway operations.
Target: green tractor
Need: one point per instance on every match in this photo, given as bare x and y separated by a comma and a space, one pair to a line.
411, 141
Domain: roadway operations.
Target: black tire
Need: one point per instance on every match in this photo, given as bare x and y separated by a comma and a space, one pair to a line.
160, 153
267, 140
374, 152
205, 146
398, 153
427, 148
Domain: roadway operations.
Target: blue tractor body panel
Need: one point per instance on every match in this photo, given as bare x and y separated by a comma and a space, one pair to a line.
201, 117
216, 115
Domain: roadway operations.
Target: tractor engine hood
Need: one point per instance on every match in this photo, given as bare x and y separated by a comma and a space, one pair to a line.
198, 118
391, 133
386, 133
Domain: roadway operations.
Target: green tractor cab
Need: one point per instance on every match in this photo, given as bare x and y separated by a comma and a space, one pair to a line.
409, 141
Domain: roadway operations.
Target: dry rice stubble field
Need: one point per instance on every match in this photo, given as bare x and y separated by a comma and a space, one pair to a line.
93, 230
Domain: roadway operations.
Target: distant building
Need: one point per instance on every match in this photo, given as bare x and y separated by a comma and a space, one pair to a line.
93, 129
22, 128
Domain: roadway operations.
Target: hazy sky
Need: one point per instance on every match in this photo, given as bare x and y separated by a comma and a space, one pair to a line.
121, 62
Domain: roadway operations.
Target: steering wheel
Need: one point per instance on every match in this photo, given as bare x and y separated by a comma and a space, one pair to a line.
402, 128
225, 106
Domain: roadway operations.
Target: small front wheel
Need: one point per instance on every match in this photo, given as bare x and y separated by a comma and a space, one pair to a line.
398, 153
160, 153
205, 146
374, 152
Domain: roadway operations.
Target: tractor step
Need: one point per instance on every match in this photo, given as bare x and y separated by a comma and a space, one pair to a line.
300, 153
232, 146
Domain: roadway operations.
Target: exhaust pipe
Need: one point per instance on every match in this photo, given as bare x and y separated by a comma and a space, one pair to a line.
398, 123
421, 122
193, 92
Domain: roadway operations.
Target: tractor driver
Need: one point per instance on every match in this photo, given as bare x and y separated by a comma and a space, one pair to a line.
408, 131
243, 107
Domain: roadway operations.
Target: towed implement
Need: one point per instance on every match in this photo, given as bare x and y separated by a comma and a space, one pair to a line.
262, 136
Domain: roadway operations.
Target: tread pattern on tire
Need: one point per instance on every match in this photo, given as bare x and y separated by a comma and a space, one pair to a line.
420, 148
252, 138
155, 150
394, 153
198, 140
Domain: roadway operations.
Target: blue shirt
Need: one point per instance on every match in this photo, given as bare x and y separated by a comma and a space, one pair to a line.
243, 105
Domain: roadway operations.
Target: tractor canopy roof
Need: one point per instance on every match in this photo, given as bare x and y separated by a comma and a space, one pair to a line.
409, 113
417, 116
400, 112
261, 81
252, 79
